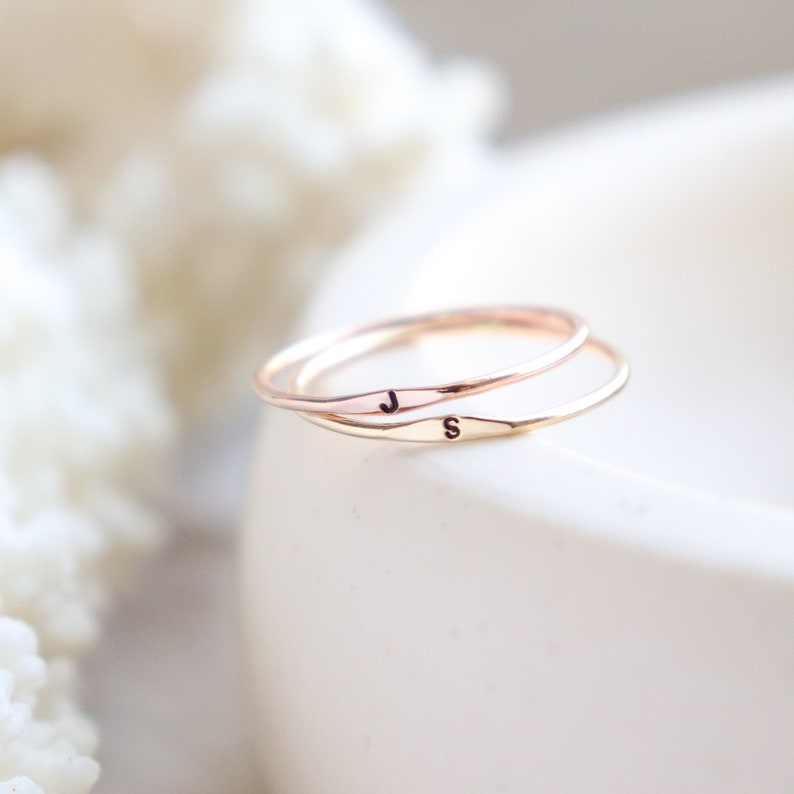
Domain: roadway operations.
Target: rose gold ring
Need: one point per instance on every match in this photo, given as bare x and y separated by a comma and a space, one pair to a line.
456, 427
329, 349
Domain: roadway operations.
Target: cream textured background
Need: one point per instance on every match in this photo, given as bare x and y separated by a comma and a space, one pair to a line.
563, 61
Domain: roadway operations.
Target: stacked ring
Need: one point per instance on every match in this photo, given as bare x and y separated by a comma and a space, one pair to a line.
306, 361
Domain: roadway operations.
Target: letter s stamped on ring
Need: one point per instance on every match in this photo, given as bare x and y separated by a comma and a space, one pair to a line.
451, 427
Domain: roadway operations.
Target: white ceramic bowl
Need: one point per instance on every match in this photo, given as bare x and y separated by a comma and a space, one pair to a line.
606, 606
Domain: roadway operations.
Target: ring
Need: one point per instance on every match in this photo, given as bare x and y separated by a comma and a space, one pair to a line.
453, 427
336, 347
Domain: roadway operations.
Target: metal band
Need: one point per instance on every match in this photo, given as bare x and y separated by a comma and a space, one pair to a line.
328, 350
454, 427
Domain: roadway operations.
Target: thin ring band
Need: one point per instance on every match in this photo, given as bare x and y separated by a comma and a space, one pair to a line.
338, 346
455, 427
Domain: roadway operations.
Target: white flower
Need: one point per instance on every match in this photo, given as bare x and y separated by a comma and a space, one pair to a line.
83, 431
20, 785
314, 116
44, 743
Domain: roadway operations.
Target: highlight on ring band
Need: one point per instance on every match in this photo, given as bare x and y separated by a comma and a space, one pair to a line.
370, 414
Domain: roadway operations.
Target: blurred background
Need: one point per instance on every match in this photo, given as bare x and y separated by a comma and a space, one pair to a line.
564, 60
175, 176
